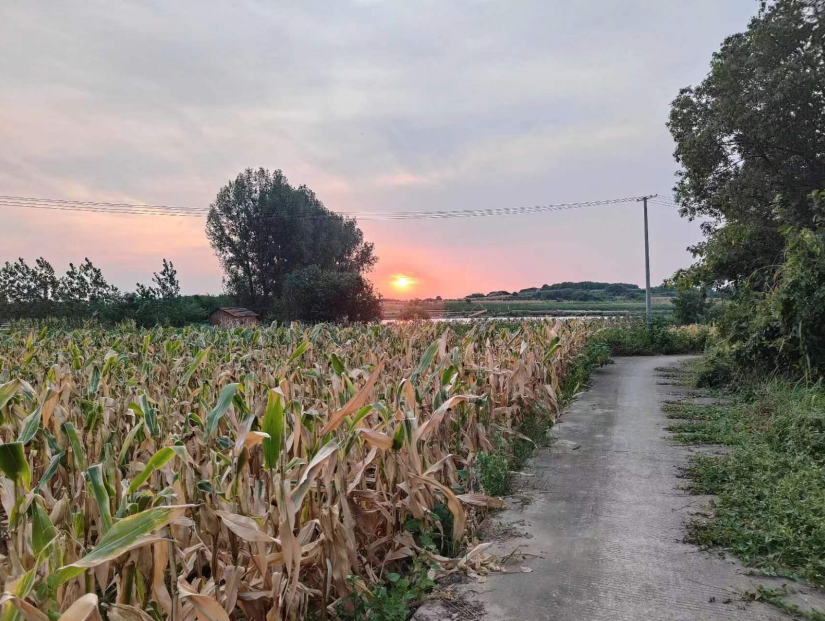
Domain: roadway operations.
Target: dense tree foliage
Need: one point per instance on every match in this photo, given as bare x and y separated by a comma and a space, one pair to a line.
315, 294
36, 292
751, 142
262, 229
586, 291
690, 306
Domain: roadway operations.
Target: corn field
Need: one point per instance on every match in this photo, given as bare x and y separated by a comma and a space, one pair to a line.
259, 474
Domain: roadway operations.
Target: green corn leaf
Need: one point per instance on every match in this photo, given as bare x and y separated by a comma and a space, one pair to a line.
273, 425
49, 473
426, 361
95, 476
337, 364
311, 471
398, 438
180, 451
127, 442
13, 463
30, 426
303, 347
7, 391
193, 366
149, 416
224, 401
77, 447
158, 460
43, 531
359, 415
127, 534
94, 384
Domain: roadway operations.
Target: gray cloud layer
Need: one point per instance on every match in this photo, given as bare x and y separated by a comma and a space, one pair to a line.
376, 105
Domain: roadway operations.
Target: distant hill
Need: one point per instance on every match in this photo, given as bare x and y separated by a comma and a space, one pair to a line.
585, 291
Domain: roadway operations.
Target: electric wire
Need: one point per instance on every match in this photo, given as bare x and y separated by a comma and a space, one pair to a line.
147, 209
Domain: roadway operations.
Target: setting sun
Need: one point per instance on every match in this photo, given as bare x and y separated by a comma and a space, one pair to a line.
400, 281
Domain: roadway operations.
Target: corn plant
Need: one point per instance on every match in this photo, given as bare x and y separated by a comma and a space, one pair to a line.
266, 472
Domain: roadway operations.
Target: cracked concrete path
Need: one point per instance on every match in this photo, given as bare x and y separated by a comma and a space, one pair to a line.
606, 520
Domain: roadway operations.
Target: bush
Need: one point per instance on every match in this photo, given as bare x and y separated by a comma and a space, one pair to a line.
690, 306
716, 369
313, 294
637, 338
782, 330
412, 310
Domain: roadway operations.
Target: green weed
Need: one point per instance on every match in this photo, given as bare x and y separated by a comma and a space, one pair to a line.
392, 600
776, 597
493, 472
771, 489
637, 338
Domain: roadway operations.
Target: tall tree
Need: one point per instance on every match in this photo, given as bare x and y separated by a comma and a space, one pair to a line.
262, 228
168, 286
85, 283
22, 283
751, 142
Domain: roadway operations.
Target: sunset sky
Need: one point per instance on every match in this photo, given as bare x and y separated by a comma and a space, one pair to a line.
377, 106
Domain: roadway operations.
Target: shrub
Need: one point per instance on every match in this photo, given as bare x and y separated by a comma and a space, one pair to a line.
637, 338
690, 306
314, 294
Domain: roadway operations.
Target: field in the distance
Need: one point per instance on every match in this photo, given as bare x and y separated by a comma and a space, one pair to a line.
392, 309
515, 308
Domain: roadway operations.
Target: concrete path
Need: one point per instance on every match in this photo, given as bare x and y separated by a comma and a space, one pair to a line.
605, 520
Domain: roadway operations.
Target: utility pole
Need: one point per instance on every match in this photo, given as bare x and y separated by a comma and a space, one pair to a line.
648, 310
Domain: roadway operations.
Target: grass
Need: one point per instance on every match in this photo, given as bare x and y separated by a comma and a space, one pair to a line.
770, 490
517, 308
776, 597
637, 338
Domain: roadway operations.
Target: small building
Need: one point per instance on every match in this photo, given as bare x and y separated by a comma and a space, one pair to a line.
233, 316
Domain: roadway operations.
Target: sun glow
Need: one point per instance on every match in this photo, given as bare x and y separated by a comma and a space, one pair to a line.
400, 281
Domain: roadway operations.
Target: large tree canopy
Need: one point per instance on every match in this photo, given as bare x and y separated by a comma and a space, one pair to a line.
262, 229
751, 142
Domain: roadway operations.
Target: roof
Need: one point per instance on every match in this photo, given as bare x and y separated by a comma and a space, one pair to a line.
236, 311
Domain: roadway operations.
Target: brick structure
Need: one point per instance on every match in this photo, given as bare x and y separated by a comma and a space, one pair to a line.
233, 316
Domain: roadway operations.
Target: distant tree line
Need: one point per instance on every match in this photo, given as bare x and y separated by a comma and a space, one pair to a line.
284, 255
586, 291
82, 293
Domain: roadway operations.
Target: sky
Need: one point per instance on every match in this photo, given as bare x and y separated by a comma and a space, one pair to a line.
375, 105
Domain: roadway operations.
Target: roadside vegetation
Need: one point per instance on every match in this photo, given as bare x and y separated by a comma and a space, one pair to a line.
285, 472
753, 166
638, 338
770, 488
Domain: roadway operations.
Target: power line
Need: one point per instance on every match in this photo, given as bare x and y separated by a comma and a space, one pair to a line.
665, 201
145, 209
